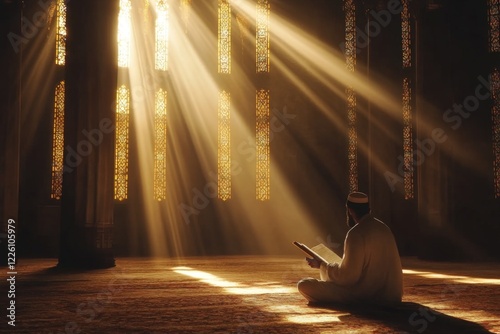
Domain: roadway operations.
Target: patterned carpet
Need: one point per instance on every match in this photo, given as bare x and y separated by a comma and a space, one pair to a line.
242, 295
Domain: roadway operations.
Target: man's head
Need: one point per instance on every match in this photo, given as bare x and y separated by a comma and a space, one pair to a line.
357, 206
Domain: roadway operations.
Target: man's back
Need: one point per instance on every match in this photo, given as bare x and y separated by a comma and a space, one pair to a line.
382, 277
371, 268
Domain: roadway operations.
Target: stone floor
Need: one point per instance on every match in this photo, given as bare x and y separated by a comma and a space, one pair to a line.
241, 295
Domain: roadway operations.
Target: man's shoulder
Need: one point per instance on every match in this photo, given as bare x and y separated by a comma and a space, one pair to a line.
369, 223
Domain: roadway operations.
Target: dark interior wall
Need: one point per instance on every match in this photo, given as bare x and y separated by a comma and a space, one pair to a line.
473, 206
456, 200
38, 214
9, 120
26, 123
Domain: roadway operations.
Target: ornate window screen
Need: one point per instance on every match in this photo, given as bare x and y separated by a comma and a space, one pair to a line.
61, 33
494, 24
495, 113
122, 142
350, 53
407, 102
58, 143
262, 139
224, 37
262, 36
160, 146
406, 34
162, 28
494, 46
59, 96
407, 139
124, 33
224, 146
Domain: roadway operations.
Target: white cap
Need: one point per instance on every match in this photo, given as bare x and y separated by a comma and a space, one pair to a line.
357, 197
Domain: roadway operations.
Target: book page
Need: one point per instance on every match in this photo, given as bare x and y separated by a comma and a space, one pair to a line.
326, 253
320, 252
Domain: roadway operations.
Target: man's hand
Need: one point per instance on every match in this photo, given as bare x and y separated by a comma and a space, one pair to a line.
313, 263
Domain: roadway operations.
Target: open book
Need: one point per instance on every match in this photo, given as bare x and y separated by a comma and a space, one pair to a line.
320, 252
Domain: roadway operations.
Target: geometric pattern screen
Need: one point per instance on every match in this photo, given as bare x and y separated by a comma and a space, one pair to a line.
160, 146
161, 44
494, 47
262, 130
59, 95
262, 36
406, 50
495, 113
224, 104
350, 53
494, 25
224, 146
262, 139
124, 33
61, 32
160, 113
58, 142
122, 142
224, 37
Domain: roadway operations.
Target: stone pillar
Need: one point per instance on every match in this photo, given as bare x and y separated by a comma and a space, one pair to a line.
91, 74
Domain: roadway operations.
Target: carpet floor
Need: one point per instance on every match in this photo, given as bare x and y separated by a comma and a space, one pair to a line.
240, 294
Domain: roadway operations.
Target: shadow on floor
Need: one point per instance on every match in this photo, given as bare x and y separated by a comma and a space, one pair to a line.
408, 317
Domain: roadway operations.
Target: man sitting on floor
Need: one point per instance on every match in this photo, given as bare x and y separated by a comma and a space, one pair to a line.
370, 270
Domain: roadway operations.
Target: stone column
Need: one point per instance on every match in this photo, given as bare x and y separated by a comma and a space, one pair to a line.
91, 74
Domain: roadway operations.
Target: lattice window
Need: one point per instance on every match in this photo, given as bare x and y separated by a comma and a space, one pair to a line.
160, 146
224, 146
494, 43
61, 33
350, 53
407, 139
58, 142
162, 28
224, 37
406, 33
124, 33
350, 34
407, 105
352, 148
494, 23
122, 142
262, 138
495, 114
262, 36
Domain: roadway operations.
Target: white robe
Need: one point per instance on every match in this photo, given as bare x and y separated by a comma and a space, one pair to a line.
370, 270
